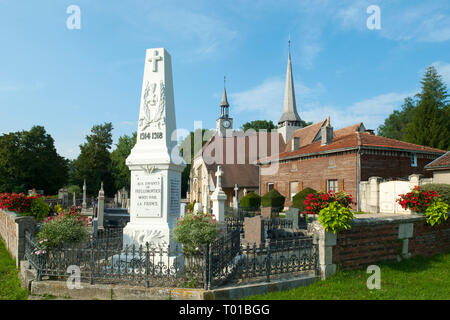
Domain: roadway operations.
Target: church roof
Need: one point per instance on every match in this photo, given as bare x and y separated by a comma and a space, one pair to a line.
352, 141
237, 155
289, 105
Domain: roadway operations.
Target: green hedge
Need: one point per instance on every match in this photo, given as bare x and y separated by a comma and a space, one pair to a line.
440, 188
299, 199
273, 199
250, 201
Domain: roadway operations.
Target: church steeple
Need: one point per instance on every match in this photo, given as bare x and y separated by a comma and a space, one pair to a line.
289, 106
224, 124
290, 120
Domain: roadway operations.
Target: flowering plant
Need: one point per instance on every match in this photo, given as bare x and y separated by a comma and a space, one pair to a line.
16, 202
417, 200
25, 205
315, 202
41, 248
67, 227
194, 231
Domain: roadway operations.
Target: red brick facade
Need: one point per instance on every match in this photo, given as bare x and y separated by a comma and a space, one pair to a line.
314, 173
369, 244
347, 160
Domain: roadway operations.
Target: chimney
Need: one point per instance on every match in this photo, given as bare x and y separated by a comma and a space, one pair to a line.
327, 133
295, 143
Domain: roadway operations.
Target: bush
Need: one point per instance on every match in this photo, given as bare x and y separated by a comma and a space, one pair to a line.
250, 201
317, 201
437, 212
442, 189
417, 200
38, 209
68, 227
273, 199
298, 201
194, 231
335, 217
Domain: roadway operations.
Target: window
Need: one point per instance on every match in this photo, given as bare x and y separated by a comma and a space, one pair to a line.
413, 160
293, 188
332, 185
270, 186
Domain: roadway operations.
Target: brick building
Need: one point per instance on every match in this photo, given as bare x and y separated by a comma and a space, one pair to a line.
340, 160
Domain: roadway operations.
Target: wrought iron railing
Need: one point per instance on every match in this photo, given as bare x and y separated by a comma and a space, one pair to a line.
229, 264
103, 261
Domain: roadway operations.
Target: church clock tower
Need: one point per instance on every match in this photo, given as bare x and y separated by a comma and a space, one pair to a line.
224, 125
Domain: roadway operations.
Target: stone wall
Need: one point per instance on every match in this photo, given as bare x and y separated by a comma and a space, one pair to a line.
377, 238
12, 231
372, 240
377, 195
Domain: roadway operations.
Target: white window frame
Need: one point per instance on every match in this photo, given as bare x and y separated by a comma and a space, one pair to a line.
413, 160
330, 187
270, 184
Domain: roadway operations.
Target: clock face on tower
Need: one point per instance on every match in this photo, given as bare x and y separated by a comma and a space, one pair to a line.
226, 124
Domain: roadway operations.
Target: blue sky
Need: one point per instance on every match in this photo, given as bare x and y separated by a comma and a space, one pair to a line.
69, 80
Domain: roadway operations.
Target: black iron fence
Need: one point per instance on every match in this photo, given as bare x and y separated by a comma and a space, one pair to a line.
104, 259
232, 265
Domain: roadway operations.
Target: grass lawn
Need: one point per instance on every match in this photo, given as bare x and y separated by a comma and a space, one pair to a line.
9, 280
417, 278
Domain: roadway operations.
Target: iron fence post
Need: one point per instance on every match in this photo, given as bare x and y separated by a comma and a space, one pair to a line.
206, 267
92, 263
268, 261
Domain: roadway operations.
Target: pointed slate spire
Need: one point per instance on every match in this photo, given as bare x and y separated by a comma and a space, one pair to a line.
289, 105
224, 102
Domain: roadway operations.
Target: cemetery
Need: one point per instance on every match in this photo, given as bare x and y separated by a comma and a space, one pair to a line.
149, 244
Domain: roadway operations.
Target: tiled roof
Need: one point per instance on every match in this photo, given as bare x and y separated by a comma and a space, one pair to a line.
443, 162
353, 140
306, 134
242, 170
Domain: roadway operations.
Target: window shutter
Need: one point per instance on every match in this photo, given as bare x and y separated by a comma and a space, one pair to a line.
324, 186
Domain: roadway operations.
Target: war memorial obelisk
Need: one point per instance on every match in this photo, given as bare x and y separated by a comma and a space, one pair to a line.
155, 172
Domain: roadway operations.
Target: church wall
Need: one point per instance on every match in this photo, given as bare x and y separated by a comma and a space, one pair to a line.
314, 173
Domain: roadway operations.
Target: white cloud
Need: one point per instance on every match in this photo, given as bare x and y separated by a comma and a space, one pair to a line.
197, 32
371, 112
266, 99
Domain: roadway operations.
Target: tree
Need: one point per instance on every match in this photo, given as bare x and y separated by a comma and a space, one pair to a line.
266, 125
94, 161
28, 160
120, 171
394, 126
258, 125
430, 123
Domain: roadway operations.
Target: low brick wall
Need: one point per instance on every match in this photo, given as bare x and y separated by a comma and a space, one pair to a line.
388, 238
12, 230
